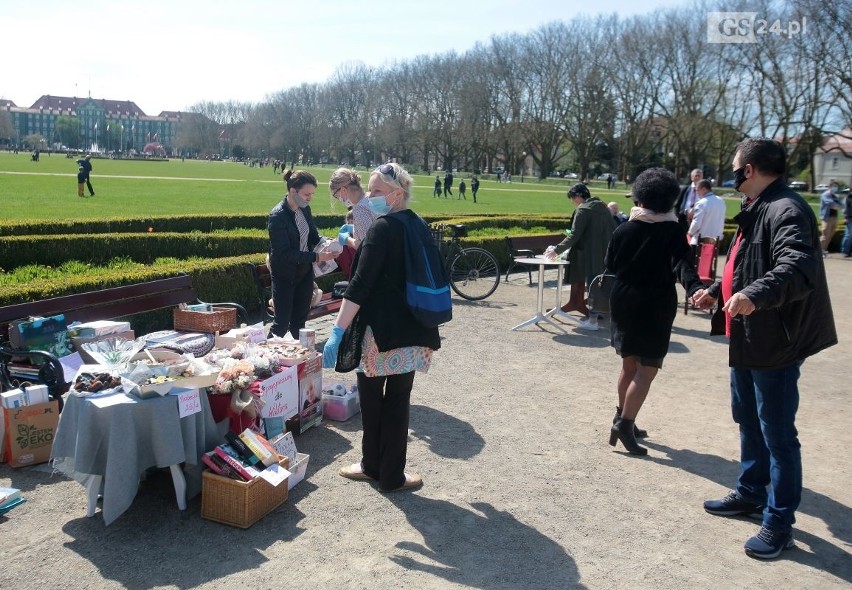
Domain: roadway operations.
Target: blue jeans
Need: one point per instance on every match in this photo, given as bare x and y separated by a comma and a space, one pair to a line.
764, 404
846, 244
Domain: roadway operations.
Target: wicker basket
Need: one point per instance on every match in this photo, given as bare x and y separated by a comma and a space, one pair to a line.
221, 319
240, 503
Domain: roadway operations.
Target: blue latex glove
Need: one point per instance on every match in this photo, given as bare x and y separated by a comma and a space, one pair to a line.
329, 351
348, 228
342, 237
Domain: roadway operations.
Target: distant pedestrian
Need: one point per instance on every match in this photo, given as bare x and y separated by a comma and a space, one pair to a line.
81, 180
437, 191
86, 164
448, 184
474, 187
462, 190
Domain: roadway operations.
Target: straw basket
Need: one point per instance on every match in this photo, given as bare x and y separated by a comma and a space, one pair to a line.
221, 319
240, 503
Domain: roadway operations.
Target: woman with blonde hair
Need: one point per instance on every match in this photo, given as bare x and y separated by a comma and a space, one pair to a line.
393, 343
345, 186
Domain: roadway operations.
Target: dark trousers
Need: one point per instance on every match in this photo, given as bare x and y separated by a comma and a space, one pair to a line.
292, 301
89, 186
385, 402
764, 404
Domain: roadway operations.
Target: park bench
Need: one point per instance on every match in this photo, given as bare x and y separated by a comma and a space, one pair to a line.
528, 247
105, 304
263, 281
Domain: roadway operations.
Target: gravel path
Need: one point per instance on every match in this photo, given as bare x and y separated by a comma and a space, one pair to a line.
521, 490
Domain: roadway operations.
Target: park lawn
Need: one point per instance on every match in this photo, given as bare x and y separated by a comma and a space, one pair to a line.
125, 188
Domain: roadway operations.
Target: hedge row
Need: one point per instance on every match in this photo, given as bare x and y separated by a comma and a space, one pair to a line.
99, 248
209, 223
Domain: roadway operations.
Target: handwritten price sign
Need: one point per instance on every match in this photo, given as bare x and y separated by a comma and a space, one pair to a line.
189, 402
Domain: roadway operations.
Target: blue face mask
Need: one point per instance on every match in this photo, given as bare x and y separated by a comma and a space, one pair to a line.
379, 205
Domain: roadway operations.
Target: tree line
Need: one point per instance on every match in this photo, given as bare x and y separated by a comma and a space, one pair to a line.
590, 95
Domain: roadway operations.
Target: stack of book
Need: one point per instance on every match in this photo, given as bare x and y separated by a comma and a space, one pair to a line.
9, 498
243, 457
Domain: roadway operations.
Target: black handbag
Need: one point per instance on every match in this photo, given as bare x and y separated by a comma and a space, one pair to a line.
600, 291
349, 351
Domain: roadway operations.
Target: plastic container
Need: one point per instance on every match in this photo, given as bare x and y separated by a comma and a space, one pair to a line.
340, 407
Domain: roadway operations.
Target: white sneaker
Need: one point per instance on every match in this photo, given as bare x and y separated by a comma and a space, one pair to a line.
588, 325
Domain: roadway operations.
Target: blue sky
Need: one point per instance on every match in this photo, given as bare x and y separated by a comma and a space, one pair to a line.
170, 54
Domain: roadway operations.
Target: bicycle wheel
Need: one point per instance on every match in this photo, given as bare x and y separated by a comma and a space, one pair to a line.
474, 274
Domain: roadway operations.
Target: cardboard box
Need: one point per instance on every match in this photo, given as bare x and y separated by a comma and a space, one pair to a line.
87, 358
29, 433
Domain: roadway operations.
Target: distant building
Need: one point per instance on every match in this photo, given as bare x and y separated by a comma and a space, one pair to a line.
106, 123
832, 161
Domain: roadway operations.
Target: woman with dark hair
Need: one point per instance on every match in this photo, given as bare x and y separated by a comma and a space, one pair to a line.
646, 255
394, 343
292, 239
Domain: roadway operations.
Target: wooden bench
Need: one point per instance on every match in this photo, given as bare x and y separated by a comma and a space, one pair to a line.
263, 281
528, 247
105, 304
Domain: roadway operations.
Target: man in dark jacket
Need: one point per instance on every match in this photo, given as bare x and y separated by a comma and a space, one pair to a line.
778, 313
687, 198
86, 164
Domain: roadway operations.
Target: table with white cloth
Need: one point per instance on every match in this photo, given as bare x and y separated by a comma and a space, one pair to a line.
109, 442
541, 315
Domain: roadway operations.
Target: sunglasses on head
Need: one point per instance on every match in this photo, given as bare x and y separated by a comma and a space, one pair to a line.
387, 170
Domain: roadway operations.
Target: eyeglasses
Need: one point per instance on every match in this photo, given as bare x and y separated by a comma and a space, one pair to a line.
336, 191
387, 170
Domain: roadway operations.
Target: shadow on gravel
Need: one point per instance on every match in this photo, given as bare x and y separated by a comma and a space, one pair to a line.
480, 547
446, 435
837, 517
153, 544
458, 301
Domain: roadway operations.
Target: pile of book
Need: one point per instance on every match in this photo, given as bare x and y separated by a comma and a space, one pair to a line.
243, 457
9, 498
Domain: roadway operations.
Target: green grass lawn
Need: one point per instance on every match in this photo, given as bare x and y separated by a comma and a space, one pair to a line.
48, 190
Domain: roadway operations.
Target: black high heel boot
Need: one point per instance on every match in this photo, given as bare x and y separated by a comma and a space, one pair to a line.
623, 430
637, 432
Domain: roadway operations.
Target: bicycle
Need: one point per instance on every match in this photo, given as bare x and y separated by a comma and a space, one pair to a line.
474, 272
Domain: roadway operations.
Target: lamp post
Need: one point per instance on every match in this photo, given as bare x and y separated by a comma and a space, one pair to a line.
523, 164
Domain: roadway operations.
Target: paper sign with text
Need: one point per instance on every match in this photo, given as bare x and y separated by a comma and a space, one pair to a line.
280, 394
285, 445
189, 401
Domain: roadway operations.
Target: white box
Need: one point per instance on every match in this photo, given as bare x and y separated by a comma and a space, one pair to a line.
297, 471
13, 399
36, 394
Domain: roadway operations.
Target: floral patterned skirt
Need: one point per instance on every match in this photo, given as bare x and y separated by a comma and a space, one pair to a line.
395, 361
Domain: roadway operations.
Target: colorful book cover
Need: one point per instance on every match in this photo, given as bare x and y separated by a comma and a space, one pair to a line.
238, 445
230, 456
206, 458
266, 456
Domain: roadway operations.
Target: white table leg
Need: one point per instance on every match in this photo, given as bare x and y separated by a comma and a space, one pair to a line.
540, 316
93, 487
180, 485
557, 311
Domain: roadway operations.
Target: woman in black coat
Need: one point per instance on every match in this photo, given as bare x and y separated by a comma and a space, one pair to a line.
292, 239
647, 254
394, 343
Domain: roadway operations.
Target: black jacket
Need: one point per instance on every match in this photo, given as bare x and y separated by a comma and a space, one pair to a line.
779, 267
284, 253
378, 286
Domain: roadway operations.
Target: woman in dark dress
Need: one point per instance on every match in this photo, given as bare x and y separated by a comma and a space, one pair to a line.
647, 254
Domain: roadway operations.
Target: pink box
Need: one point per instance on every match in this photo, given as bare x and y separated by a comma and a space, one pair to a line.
340, 407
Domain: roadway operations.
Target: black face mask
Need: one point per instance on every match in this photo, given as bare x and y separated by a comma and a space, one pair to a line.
739, 177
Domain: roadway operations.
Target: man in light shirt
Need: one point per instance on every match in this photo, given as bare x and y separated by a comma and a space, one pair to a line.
708, 215
687, 199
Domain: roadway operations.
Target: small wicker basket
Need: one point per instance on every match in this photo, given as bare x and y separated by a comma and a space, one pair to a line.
240, 503
221, 319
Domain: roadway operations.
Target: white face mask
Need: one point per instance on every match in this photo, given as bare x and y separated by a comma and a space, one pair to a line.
301, 203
